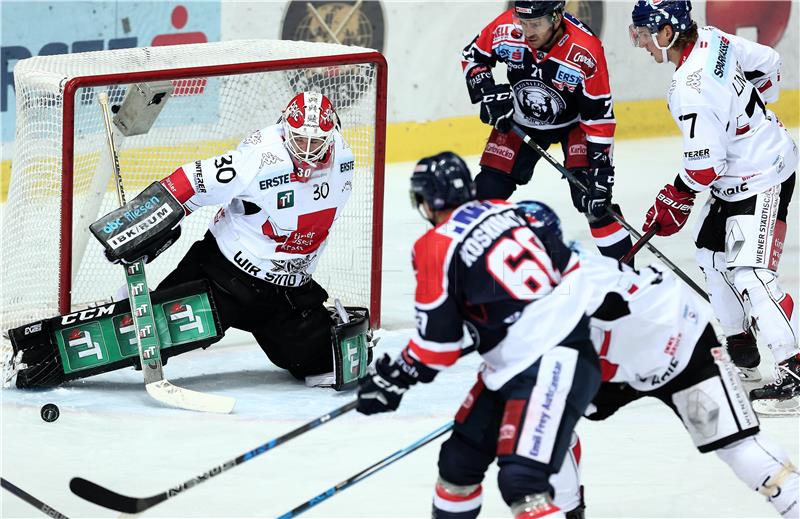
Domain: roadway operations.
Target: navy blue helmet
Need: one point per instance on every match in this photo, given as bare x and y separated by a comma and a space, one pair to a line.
443, 181
655, 14
527, 9
539, 214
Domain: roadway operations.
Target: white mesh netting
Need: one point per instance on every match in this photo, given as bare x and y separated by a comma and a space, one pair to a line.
206, 115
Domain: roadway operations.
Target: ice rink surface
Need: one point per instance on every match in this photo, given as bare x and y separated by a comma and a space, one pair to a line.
639, 463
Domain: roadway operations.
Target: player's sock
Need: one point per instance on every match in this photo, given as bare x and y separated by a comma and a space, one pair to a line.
744, 354
456, 502
611, 238
763, 465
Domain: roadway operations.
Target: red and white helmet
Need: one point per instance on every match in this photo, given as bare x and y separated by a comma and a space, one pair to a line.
309, 122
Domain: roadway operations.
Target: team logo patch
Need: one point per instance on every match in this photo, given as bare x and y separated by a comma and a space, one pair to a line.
693, 80
268, 159
539, 103
254, 138
285, 199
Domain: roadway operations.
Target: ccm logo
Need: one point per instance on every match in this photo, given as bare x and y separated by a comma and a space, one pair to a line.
502, 96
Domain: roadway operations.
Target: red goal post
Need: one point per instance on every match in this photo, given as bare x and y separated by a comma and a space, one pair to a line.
221, 92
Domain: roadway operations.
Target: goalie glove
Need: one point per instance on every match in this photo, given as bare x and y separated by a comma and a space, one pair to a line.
143, 228
497, 106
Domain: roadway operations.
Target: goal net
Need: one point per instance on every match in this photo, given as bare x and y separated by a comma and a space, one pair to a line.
220, 92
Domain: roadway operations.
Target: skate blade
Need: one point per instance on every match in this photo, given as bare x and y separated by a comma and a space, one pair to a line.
749, 374
775, 407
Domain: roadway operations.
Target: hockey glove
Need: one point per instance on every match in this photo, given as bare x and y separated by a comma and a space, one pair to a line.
670, 211
383, 387
597, 196
143, 228
497, 106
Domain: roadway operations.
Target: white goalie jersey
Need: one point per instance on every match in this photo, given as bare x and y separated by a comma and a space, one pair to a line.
654, 343
731, 142
273, 224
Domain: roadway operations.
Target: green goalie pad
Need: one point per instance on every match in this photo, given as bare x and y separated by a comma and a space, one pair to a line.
103, 338
351, 344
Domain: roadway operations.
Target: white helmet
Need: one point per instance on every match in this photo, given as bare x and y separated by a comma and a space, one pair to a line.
308, 125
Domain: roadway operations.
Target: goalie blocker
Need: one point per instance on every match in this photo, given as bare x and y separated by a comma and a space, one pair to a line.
103, 338
144, 227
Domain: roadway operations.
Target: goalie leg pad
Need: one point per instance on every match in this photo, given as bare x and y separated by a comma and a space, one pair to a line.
351, 343
103, 338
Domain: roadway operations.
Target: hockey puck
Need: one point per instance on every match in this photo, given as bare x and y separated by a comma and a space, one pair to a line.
50, 412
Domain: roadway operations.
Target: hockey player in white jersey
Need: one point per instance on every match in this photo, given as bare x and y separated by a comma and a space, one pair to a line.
737, 148
654, 338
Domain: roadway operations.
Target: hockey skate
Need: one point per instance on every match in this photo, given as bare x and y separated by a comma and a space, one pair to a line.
744, 354
782, 396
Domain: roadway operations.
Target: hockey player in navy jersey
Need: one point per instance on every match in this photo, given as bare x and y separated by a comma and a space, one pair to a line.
558, 92
736, 148
654, 338
482, 266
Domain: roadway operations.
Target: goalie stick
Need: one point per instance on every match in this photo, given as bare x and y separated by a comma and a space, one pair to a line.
156, 385
367, 472
102, 496
616, 216
44, 508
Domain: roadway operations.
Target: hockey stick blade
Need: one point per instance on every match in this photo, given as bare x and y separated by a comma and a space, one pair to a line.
102, 496
167, 393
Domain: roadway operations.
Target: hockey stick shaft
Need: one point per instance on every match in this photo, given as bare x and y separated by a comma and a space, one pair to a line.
44, 508
367, 472
611, 212
639, 244
102, 496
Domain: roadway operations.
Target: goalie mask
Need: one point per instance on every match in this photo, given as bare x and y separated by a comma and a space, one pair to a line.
309, 122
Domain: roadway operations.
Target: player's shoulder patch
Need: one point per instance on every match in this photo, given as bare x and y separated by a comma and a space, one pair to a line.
431, 262
720, 59
583, 50
508, 40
